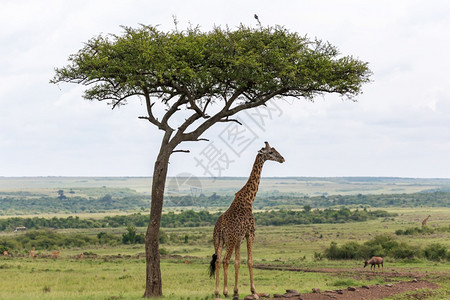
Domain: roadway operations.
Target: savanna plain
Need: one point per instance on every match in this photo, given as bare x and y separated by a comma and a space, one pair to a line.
311, 233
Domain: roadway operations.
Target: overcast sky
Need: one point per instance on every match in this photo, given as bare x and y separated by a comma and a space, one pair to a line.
400, 125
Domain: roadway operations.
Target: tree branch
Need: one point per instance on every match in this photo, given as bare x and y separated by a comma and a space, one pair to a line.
181, 151
227, 119
226, 112
173, 109
151, 117
188, 122
197, 109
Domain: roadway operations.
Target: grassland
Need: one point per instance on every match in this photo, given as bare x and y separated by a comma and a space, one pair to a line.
118, 272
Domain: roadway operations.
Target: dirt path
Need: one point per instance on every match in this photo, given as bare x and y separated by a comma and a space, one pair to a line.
369, 292
362, 273
421, 288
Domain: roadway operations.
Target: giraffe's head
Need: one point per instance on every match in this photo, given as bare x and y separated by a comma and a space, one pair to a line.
269, 153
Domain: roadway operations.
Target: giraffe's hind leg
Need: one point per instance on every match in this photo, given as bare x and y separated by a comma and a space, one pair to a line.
229, 246
237, 265
218, 259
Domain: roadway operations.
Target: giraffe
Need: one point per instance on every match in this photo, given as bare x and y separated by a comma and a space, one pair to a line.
238, 222
424, 222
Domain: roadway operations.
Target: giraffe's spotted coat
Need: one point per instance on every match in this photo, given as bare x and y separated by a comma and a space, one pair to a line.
238, 222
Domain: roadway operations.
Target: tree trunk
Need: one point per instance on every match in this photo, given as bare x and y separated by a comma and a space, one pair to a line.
153, 270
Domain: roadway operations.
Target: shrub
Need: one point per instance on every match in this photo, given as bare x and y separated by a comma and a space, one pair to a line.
381, 245
386, 242
403, 251
436, 252
351, 250
333, 252
415, 231
107, 238
163, 237
318, 256
131, 237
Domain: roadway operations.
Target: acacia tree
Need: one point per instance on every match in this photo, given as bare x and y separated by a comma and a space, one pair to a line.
191, 80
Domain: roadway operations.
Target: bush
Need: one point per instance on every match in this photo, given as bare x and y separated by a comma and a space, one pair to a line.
415, 231
131, 237
386, 242
380, 245
404, 251
333, 252
107, 238
436, 252
351, 250
163, 237
318, 256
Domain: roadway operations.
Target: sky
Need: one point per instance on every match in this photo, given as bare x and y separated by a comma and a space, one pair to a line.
399, 127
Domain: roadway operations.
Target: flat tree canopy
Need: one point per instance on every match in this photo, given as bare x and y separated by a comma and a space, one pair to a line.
247, 65
191, 80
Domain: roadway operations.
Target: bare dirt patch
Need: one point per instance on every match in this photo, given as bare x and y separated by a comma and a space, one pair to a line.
421, 288
372, 292
362, 273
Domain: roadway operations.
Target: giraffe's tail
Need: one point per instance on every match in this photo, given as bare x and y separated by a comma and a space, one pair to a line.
212, 266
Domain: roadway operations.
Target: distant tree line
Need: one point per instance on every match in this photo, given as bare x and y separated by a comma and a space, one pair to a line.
432, 198
126, 201
316, 216
191, 218
10, 224
277, 200
74, 204
384, 246
51, 240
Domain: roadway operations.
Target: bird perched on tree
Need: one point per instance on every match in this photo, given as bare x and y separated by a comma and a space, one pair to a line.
257, 19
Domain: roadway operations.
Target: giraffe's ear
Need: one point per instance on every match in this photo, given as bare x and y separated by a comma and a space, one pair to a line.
261, 151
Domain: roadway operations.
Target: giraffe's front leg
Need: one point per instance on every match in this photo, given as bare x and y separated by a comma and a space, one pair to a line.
237, 265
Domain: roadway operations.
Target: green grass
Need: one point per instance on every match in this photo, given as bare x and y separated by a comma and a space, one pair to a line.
288, 246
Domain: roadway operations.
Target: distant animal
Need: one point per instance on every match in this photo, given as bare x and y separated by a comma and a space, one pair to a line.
56, 254
20, 228
32, 252
81, 256
5, 253
424, 222
375, 260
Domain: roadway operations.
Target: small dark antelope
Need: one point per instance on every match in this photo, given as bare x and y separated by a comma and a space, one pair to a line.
375, 260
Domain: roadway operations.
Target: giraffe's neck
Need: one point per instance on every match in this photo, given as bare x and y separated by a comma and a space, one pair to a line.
248, 192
